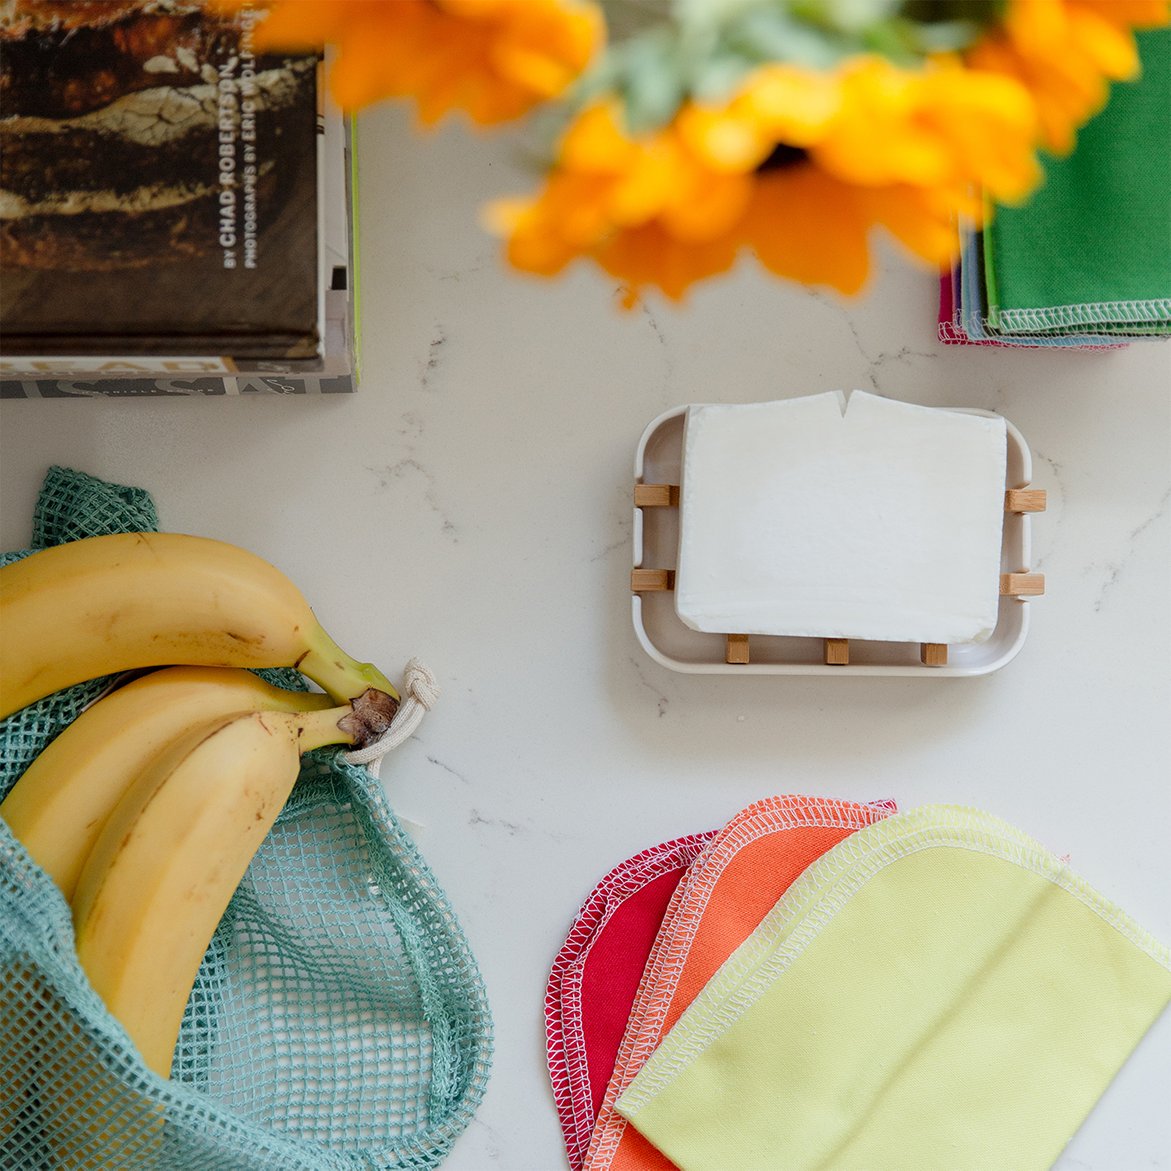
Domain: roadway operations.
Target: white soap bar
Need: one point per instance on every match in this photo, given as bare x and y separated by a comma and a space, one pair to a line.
880, 521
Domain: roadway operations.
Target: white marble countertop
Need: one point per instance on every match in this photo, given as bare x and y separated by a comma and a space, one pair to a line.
472, 506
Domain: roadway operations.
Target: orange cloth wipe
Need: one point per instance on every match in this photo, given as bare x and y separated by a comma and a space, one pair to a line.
727, 891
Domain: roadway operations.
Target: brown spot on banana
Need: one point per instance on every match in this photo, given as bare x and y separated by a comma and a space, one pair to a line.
247, 640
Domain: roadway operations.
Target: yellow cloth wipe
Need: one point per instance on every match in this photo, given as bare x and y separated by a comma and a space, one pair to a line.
938, 992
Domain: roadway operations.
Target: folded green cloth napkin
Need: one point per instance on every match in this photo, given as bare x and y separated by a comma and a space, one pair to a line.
1092, 248
936, 992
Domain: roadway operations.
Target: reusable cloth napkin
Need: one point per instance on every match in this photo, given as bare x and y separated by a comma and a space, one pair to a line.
595, 977
938, 991
973, 308
1092, 248
724, 896
952, 332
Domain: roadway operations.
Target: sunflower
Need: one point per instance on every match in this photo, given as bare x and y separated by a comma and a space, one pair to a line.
797, 168
494, 59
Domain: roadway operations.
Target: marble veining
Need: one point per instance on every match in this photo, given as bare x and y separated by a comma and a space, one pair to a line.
471, 505
1114, 569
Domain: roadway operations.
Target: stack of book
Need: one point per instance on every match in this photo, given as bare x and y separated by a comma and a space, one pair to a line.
175, 209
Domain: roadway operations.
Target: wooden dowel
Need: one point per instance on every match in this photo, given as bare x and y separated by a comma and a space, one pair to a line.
656, 495
1024, 500
736, 650
1022, 585
652, 579
837, 652
933, 654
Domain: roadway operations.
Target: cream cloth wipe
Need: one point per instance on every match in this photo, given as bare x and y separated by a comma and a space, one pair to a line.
936, 992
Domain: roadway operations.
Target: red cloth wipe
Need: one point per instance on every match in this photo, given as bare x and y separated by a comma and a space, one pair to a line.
596, 975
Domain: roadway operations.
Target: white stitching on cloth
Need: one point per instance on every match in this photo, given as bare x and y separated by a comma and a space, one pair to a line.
1090, 313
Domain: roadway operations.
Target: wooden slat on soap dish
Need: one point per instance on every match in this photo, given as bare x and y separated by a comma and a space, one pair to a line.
736, 650
656, 495
1024, 500
652, 579
837, 652
933, 654
1022, 585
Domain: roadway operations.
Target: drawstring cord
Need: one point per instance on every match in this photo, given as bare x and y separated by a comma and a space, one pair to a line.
420, 693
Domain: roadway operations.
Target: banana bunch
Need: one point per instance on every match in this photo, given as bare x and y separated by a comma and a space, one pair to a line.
148, 808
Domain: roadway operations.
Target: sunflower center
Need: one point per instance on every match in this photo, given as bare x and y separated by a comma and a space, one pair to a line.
783, 156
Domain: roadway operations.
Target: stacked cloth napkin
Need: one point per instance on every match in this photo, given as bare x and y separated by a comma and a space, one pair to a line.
931, 989
648, 938
1086, 263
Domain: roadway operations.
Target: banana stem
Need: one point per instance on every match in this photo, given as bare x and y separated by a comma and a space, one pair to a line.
316, 729
340, 676
360, 722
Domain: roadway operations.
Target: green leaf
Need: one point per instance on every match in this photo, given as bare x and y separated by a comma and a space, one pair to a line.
768, 33
845, 16
947, 36
651, 81
719, 76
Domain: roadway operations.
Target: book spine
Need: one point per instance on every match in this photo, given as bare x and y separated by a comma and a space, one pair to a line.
240, 384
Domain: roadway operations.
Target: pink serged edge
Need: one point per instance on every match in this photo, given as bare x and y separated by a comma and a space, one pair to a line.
564, 1031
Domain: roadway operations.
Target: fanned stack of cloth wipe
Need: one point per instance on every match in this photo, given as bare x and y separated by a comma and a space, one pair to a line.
1086, 263
926, 990
647, 939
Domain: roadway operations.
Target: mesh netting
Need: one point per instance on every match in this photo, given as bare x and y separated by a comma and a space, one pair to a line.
338, 1019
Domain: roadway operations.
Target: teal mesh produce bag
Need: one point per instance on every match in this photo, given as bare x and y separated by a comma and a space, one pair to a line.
338, 1020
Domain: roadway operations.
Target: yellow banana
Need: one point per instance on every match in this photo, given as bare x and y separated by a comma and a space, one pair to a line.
114, 603
170, 856
59, 805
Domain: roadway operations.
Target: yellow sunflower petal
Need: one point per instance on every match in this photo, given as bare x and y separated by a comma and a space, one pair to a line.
651, 175
793, 105
805, 225
911, 218
533, 70
1111, 48
876, 137
307, 25
726, 139
1036, 28
492, 58
649, 255
707, 205
593, 143
991, 123
1135, 13
577, 206
364, 71
538, 251
503, 217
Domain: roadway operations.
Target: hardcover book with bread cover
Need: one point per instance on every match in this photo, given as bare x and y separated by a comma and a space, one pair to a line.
158, 183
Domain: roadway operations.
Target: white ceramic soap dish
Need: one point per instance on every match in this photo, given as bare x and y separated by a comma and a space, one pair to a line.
657, 472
